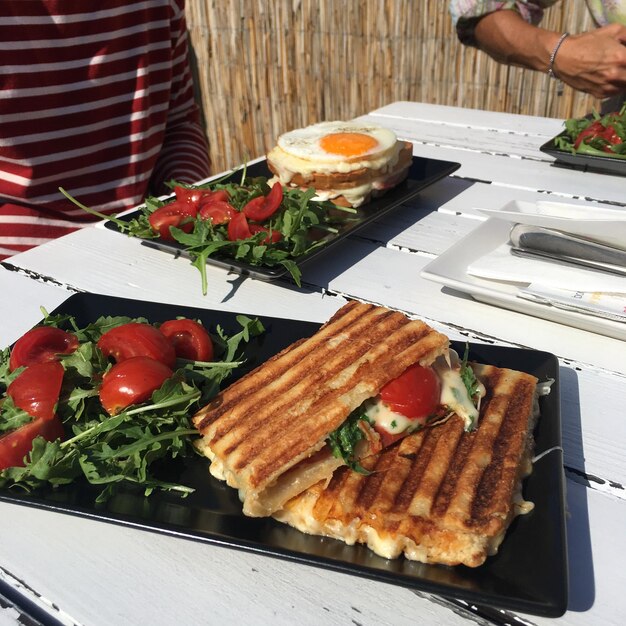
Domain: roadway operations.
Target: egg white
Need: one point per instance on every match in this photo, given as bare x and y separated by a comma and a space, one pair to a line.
304, 143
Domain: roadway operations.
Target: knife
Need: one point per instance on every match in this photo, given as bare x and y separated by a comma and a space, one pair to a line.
571, 261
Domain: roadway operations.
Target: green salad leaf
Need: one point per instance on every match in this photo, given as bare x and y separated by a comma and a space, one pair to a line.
344, 440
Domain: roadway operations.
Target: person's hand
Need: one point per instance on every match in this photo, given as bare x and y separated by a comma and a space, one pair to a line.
594, 62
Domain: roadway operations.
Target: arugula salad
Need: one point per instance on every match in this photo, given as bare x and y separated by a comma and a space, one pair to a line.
247, 221
603, 135
109, 401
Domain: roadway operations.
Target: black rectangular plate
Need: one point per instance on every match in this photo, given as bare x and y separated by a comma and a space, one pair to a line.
528, 574
584, 162
422, 173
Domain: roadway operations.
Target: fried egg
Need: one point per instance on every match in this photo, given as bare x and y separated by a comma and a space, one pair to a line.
338, 142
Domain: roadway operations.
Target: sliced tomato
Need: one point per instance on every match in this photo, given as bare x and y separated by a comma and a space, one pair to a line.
135, 339
36, 390
388, 439
177, 213
198, 197
219, 212
189, 338
131, 381
414, 394
15, 445
273, 236
220, 195
598, 131
238, 228
41, 344
262, 207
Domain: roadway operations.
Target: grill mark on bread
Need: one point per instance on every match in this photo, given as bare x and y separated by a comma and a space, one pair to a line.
330, 411
285, 396
276, 366
503, 473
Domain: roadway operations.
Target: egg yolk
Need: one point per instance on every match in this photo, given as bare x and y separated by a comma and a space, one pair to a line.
348, 144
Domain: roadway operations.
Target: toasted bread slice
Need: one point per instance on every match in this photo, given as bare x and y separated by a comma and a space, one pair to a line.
266, 433
442, 495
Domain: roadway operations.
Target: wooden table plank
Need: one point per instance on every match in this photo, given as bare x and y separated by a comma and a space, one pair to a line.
120, 574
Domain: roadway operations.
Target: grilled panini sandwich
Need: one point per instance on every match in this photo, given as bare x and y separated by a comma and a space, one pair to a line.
266, 434
442, 495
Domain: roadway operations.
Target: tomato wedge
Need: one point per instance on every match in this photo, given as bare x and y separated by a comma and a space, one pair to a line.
220, 195
414, 394
238, 228
219, 212
272, 237
597, 130
177, 213
36, 390
41, 344
15, 445
136, 339
189, 338
131, 382
262, 207
198, 197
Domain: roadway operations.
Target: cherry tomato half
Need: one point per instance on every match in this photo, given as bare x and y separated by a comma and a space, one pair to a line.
219, 212
36, 390
220, 195
198, 197
131, 382
262, 207
272, 237
414, 394
15, 445
41, 344
178, 214
189, 338
238, 228
135, 339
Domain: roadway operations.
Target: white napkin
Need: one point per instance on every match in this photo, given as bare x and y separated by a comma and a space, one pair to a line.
501, 265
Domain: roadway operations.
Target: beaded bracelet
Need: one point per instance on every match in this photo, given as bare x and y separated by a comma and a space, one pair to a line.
562, 38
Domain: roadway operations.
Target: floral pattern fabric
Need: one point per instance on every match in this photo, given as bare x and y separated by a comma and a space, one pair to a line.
466, 13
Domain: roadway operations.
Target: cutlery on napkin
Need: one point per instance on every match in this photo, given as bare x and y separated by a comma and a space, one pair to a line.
549, 274
567, 247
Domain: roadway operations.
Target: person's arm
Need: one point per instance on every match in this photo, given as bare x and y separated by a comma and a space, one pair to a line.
184, 156
594, 62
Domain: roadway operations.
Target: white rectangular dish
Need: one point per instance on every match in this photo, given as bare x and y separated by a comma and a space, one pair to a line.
449, 269
596, 223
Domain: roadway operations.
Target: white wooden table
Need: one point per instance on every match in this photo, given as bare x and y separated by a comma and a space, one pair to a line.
81, 571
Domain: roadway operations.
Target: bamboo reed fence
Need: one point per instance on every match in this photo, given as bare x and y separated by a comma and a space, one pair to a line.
264, 67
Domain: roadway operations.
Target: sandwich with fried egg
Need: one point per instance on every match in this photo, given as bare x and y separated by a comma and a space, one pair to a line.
330, 400
347, 163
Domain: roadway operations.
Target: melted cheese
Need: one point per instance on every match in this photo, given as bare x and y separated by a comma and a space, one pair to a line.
454, 396
386, 419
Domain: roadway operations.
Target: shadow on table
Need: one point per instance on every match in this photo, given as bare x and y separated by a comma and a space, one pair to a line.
322, 270
427, 201
580, 554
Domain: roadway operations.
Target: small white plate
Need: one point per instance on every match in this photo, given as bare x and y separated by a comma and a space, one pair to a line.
597, 223
450, 269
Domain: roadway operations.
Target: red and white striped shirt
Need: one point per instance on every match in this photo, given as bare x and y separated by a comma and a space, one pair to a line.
96, 97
